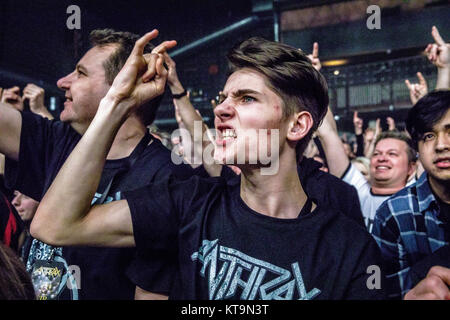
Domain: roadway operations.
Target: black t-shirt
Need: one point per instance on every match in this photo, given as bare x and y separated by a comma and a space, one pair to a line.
321, 186
106, 273
225, 250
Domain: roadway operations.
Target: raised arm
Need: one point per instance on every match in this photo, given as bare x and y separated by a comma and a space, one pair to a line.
439, 54
64, 216
35, 95
332, 145
10, 125
190, 117
417, 90
370, 146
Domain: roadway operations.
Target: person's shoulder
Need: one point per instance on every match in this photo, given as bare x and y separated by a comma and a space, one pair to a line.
399, 203
53, 130
331, 181
341, 226
166, 162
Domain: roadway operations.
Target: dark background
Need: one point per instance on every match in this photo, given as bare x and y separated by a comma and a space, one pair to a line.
36, 46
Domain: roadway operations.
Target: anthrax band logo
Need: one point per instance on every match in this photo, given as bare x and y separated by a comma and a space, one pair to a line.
224, 283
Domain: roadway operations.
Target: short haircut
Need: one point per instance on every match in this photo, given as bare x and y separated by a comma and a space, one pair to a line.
125, 42
412, 155
289, 74
426, 113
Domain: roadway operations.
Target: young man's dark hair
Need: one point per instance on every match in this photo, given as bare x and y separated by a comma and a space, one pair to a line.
412, 157
125, 42
426, 112
289, 73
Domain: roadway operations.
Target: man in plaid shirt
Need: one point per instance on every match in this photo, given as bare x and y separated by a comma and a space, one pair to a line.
414, 225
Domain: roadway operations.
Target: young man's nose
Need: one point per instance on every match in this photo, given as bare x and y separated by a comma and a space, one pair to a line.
224, 111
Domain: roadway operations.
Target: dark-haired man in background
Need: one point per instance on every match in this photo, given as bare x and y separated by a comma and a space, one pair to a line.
37, 148
412, 228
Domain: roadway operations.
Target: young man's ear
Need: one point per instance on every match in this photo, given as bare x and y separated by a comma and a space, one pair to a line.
301, 124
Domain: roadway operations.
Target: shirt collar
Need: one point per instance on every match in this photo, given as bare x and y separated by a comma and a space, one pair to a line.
424, 194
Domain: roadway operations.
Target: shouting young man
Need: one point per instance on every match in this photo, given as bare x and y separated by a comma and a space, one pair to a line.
261, 239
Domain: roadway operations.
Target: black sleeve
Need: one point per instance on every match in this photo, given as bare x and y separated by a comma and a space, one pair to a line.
154, 216
153, 271
41, 142
157, 211
354, 211
359, 145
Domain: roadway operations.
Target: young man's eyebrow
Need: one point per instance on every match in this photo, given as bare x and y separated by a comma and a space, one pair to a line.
243, 92
435, 128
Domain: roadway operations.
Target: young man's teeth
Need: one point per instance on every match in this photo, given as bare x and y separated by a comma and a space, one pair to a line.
229, 133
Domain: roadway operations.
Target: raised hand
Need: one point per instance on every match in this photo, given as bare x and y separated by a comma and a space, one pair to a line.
314, 57
143, 76
434, 287
438, 52
12, 97
417, 90
357, 123
172, 77
35, 95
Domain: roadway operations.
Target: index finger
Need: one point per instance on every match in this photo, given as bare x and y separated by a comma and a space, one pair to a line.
408, 84
164, 46
140, 44
355, 115
437, 37
315, 52
421, 78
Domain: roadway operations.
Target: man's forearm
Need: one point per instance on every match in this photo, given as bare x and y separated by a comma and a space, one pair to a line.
443, 78
335, 153
10, 130
69, 197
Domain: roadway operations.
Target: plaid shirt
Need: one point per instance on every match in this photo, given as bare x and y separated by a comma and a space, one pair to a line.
407, 229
